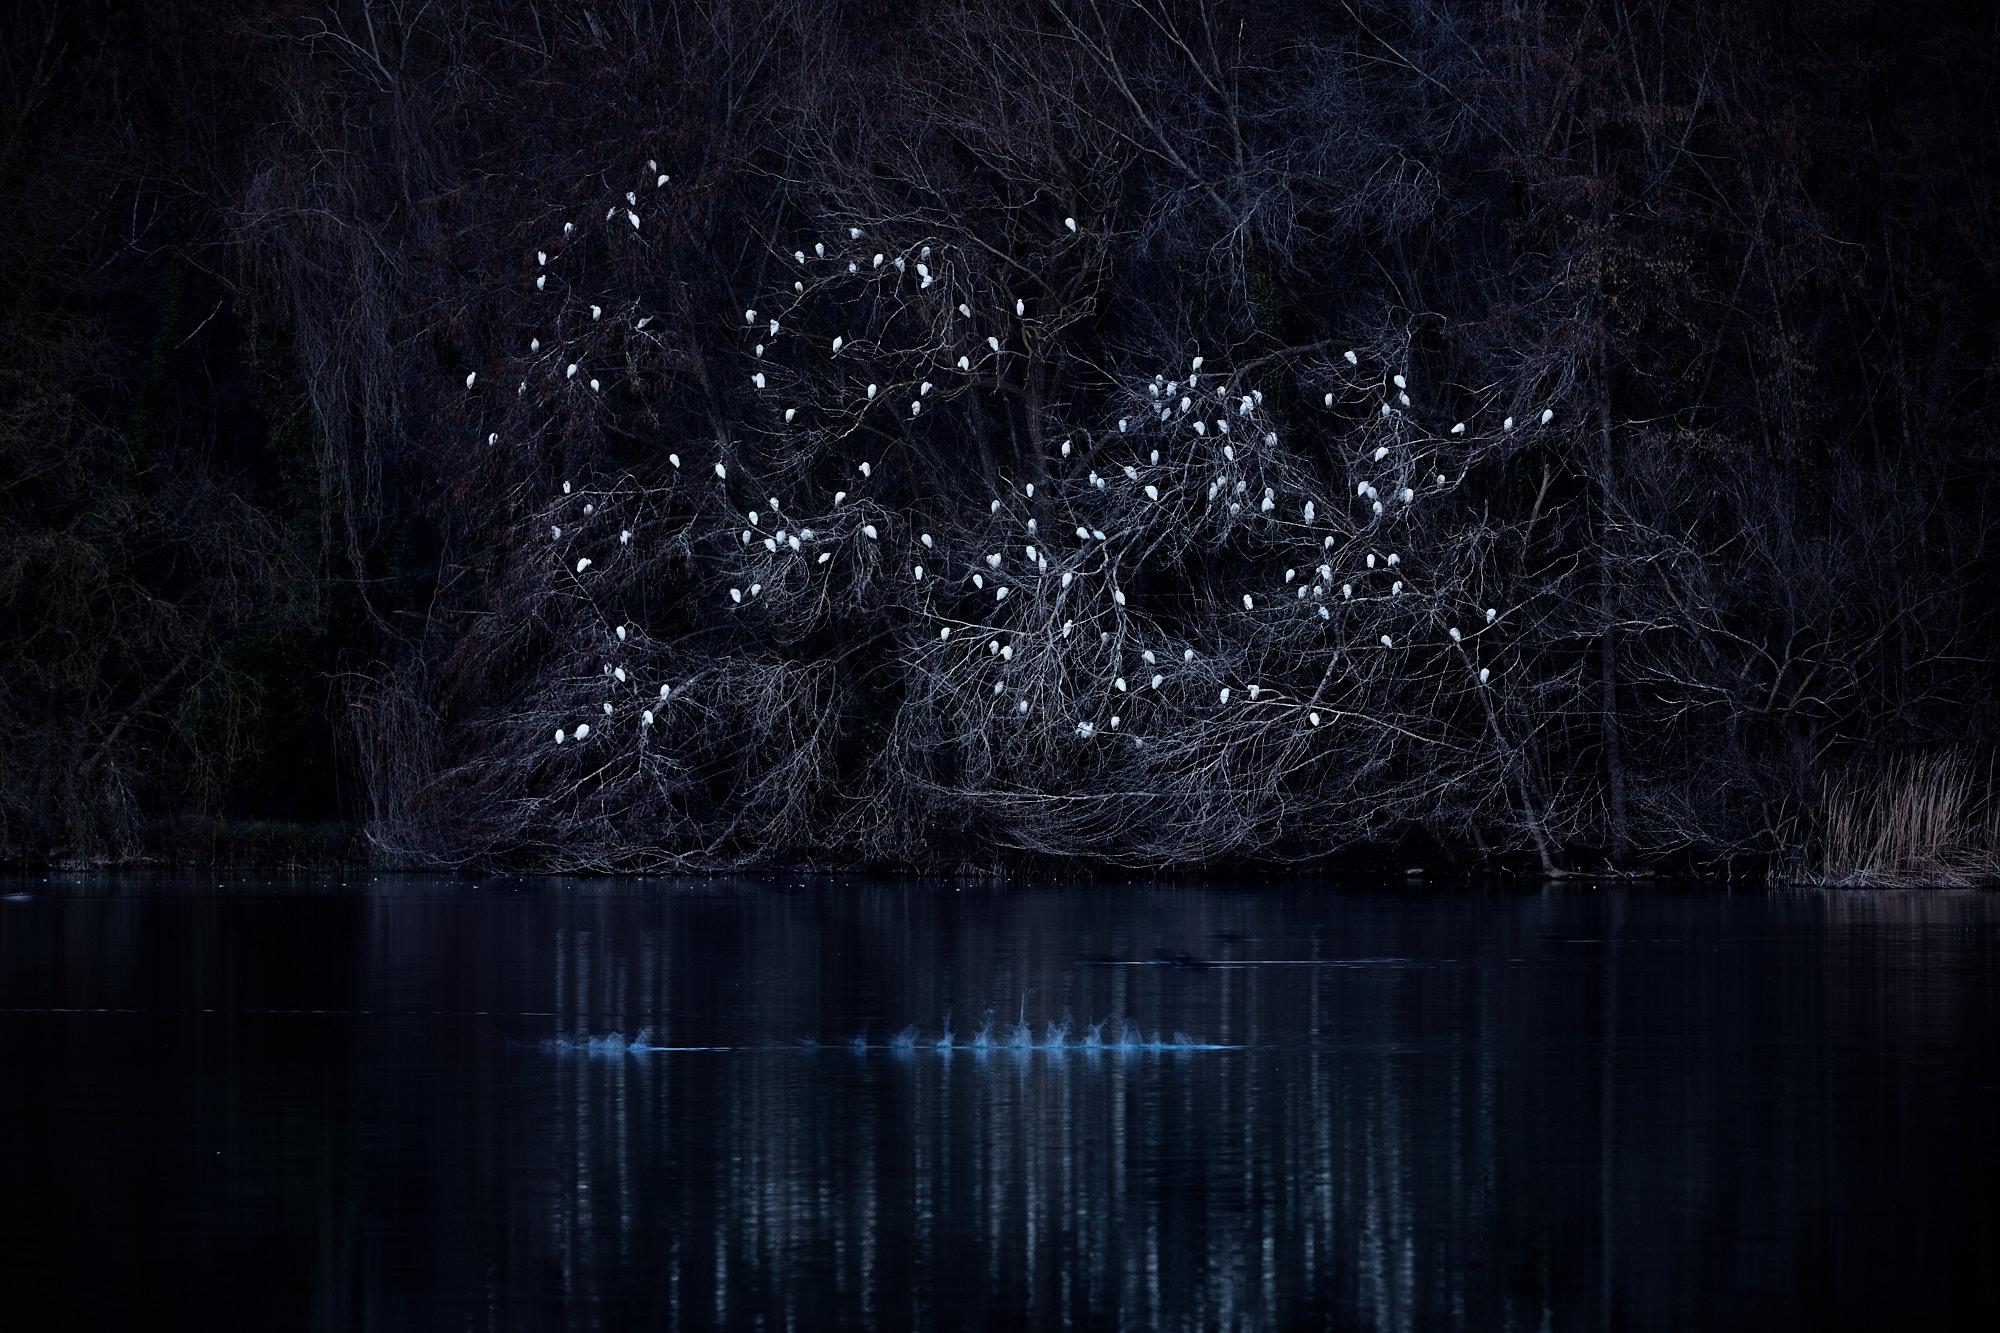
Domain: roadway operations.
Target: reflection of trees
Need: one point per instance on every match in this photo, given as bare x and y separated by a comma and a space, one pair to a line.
1460, 1137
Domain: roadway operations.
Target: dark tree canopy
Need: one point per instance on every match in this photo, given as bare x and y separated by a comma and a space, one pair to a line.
1553, 432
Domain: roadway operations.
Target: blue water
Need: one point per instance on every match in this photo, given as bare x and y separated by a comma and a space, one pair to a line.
417, 1103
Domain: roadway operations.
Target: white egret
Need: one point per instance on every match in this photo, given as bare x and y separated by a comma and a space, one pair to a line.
1483, 674
1490, 614
646, 718
926, 540
582, 730
559, 736
1020, 307
1548, 415
1508, 424
868, 530
838, 343
790, 412
583, 564
470, 378
1223, 694
1070, 223
871, 393
1352, 360
675, 459
721, 472
916, 406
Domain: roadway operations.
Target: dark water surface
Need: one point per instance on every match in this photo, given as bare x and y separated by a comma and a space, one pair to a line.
308, 1105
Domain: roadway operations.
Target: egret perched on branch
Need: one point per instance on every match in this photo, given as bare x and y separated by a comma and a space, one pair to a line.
868, 530
559, 736
1483, 674
1490, 614
583, 564
1070, 223
1548, 415
721, 472
470, 378
1352, 360
582, 730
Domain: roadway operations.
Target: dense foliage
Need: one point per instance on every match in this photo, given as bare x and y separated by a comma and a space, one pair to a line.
1562, 432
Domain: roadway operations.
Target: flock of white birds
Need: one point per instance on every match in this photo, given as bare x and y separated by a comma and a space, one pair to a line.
1187, 442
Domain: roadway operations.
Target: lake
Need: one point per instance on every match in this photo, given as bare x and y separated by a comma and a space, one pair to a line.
433, 1103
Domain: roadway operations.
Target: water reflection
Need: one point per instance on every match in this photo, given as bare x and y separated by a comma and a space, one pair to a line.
1538, 1110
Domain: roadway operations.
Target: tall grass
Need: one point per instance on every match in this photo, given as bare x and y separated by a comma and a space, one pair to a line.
1926, 819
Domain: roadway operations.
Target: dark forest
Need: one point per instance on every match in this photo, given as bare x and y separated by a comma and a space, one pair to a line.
637, 436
